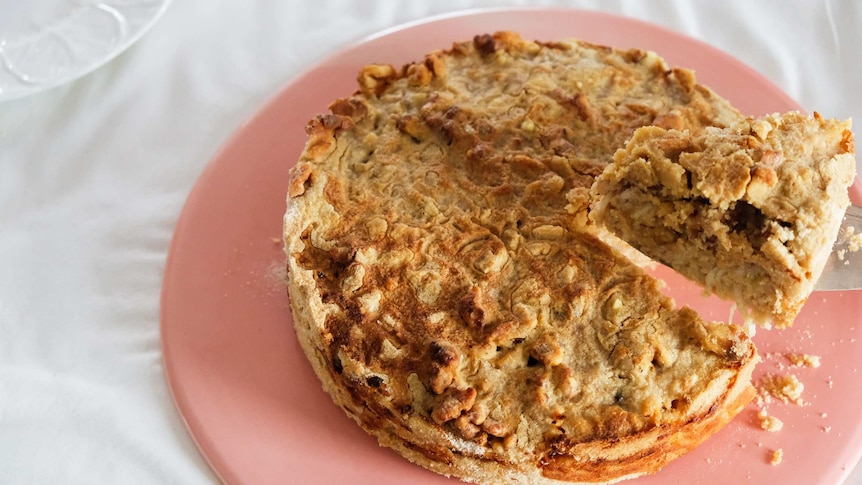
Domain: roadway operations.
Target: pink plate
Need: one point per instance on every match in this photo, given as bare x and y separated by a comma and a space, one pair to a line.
251, 400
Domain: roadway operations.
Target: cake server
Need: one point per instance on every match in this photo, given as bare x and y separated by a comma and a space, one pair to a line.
843, 270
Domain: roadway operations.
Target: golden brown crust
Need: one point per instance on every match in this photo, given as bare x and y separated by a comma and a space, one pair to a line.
451, 298
750, 212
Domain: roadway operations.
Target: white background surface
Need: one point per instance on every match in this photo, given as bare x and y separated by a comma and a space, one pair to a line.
93, 176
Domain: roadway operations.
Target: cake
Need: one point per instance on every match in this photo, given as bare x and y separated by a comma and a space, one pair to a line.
450, 293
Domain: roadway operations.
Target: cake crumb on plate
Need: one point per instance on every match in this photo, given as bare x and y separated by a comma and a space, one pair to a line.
776, 457
785, 388
769, 423
804, 360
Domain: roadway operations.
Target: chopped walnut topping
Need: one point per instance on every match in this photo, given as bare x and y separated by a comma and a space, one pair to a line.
454, 402
547, 350
444, 364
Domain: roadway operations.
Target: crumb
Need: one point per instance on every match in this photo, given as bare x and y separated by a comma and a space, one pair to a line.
854, 243
849, 237
277, 241
804, 360
776, 457
769, 423
827, 429
823, 415
845, 234
785, 388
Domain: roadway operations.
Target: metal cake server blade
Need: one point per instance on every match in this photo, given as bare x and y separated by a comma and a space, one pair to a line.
843, 270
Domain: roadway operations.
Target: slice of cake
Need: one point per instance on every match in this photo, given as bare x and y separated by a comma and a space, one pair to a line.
749, 212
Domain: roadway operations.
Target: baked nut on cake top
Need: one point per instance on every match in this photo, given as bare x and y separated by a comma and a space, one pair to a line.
750, 212
451, 298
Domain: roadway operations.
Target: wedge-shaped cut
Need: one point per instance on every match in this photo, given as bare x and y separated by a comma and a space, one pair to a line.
449, 294
749, 212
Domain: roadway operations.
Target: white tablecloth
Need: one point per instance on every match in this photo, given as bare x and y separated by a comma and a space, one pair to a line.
93, 176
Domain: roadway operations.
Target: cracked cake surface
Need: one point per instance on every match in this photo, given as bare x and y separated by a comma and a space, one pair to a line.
450, 293
750, 212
